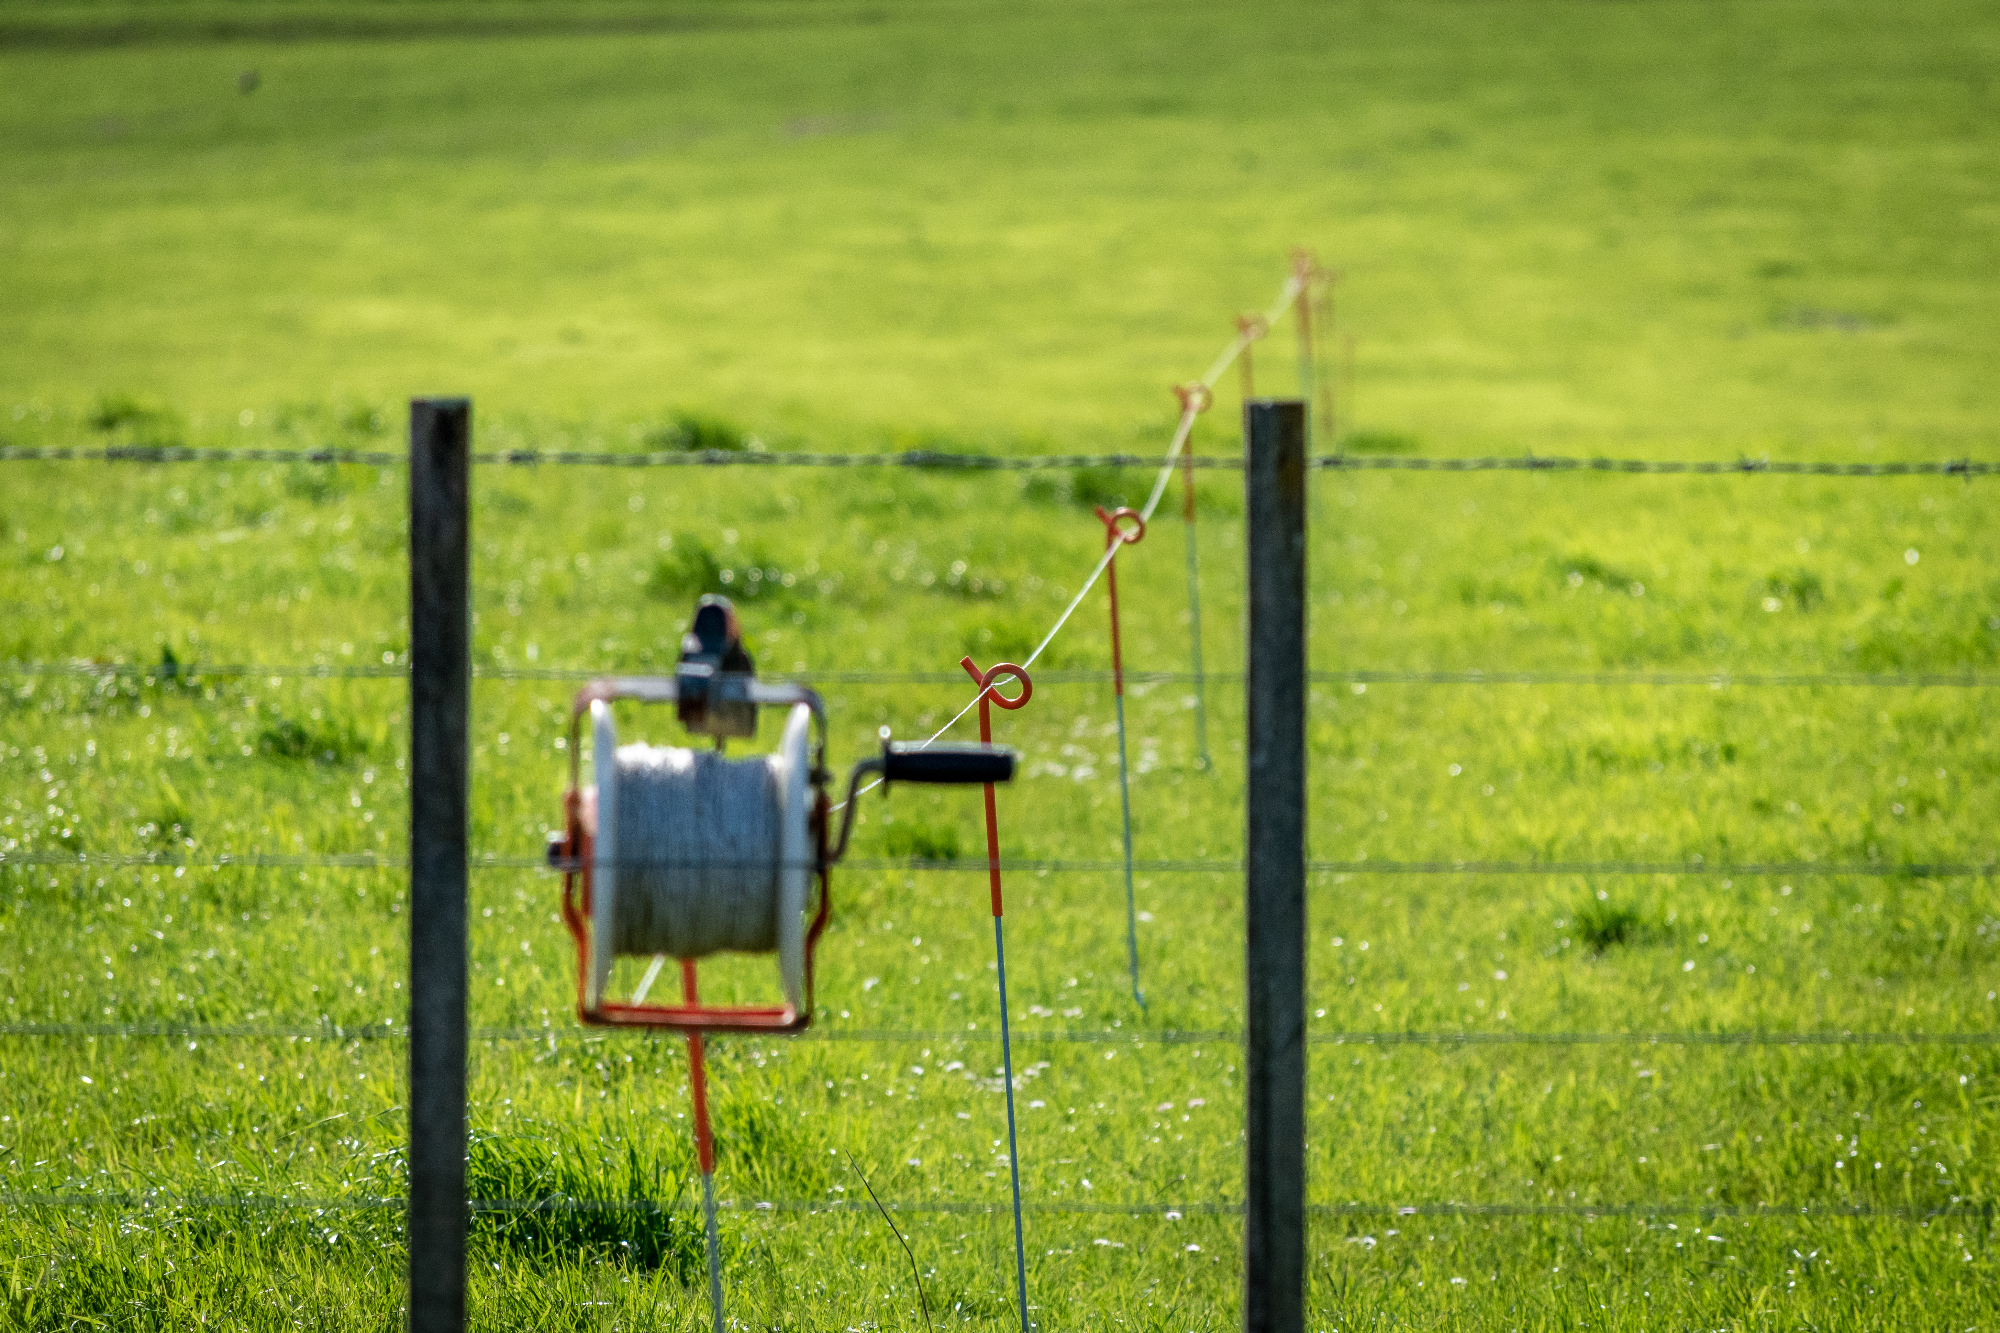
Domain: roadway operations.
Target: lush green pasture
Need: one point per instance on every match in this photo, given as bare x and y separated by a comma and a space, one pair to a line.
1832, 773
1690, 229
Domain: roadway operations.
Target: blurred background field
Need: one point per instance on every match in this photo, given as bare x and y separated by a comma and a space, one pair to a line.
1708, 227
1675, 230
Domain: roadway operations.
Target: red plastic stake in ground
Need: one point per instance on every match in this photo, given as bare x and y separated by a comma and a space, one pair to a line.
989, 695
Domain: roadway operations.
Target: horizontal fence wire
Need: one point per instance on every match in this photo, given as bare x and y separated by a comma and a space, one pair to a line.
1696, 865
933, 460
333, 1033
193, 673
143, 1201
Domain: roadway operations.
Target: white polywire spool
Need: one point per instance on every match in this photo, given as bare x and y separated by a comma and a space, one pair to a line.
697, 854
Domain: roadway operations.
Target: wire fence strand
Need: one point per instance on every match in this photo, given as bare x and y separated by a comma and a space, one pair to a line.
336, 1034
925, 460
1694, 866
140, 1201
193, 673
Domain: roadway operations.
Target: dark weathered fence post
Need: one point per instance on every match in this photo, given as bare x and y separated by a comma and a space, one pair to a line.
440, 701
1274, 1240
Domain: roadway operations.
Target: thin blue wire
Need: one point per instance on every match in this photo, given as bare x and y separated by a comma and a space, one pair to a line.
1125, 805
1013, 1148
1194, 642
714, 1249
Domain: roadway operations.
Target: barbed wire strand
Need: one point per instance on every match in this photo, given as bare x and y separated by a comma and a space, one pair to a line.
1695, 866
932, 460
334, 1034
149, 1200
192, 673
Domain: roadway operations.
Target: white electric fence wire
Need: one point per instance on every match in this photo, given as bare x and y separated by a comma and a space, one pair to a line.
1288, 294
646, 982
1182, 431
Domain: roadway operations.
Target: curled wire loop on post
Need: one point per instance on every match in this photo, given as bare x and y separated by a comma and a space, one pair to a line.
1114, 532
1195, 396
1002, 671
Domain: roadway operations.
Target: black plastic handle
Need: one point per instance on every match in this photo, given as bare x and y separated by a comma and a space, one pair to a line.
947, 764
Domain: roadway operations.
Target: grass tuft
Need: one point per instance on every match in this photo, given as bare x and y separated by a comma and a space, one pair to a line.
1604, 926
1801, 588
1379, 442
690, 569
1088, 487
1582, 568
912, 838
636, 1209
117, 410
316, 739
698, 432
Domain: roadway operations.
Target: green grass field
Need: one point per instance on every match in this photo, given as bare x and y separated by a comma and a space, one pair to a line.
1673, 229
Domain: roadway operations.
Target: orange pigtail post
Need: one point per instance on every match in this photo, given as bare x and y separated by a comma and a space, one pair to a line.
1195, 398
989, 695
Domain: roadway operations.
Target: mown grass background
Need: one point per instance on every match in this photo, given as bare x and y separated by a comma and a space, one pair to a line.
1677, 229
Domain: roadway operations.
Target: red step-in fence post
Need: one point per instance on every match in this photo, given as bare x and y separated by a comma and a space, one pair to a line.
1195, 398
704, 1147
1123, 527
989, 695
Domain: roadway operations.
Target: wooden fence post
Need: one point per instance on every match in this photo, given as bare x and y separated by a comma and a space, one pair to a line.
1274, 1241
440, 702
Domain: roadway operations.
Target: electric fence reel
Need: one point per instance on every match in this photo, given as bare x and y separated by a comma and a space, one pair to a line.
682, 853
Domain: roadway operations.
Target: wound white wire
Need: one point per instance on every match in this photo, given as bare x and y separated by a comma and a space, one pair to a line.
1182, 432
696, 853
